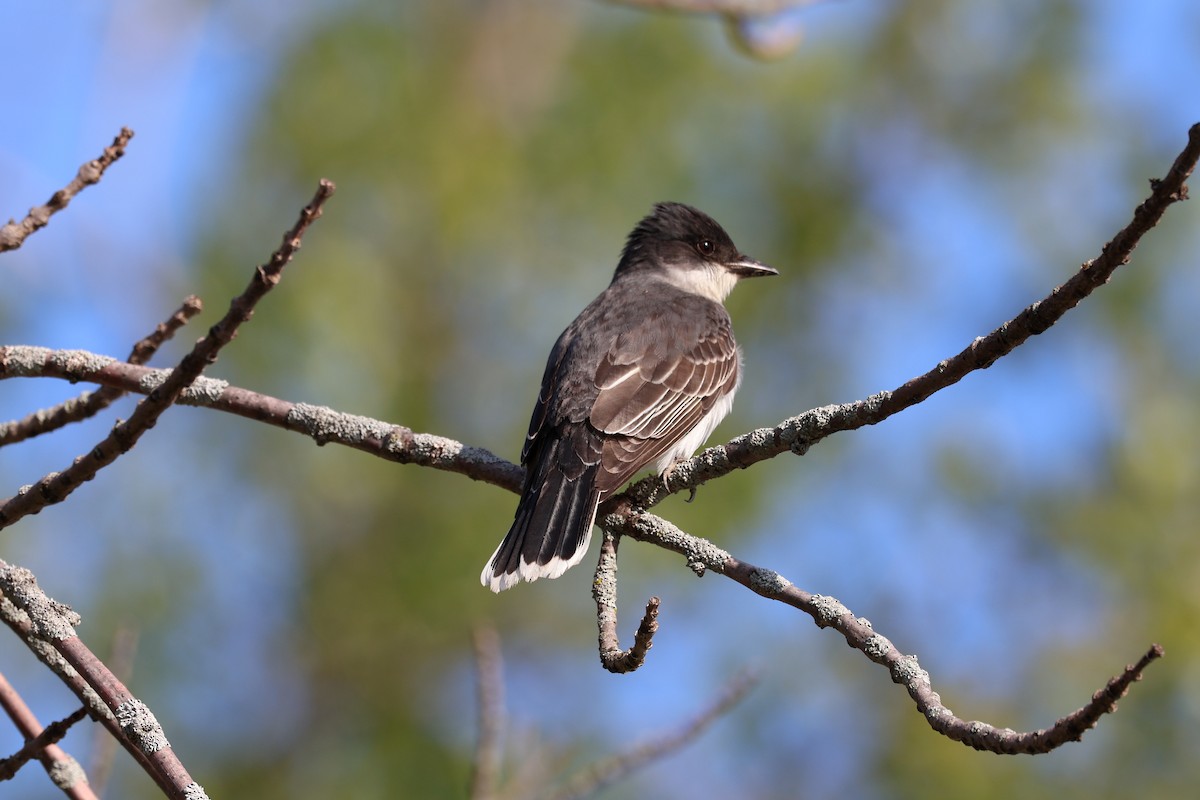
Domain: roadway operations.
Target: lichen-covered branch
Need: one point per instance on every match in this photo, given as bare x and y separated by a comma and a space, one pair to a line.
52, 624
828, 612
604, 592
322, 424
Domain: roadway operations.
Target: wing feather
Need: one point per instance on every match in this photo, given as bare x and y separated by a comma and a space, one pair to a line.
656, 387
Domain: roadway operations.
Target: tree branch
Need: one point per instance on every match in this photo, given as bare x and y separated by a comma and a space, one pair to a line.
322, 424
13, 234
25, 607
54, 488
89, 404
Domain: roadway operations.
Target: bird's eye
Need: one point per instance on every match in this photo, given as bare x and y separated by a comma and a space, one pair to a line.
706, 247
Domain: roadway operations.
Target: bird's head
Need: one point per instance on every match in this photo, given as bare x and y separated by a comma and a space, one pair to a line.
690, 250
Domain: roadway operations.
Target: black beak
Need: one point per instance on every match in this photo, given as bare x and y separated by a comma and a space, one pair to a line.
746, 267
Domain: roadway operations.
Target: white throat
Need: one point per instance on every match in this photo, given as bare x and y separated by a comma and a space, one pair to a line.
712, 281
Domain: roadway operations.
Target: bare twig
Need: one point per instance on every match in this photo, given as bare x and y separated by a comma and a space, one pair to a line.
604, 591
40, 743
603, 773
485, 769
54, 488
91, 403
13, 234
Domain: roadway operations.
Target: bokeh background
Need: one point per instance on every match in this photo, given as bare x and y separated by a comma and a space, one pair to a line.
918, 172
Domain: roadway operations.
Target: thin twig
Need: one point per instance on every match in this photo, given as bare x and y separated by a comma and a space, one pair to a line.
54, 488
604, 773
13, 234
40, 743
485, 768
604, 592
89, 404
36, 746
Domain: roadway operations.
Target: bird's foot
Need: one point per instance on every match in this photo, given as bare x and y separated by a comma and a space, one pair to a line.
666, 477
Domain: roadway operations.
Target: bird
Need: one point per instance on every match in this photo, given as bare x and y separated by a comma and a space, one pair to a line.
642, 376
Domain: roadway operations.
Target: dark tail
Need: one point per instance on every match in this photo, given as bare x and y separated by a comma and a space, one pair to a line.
553, 524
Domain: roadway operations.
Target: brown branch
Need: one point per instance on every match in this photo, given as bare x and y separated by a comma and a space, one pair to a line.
22, 625
604, 592
91, 403
603, 773
826, 611
47, 624
13, 234
322, 424
41, 743
485, 768
54, 488
799, 433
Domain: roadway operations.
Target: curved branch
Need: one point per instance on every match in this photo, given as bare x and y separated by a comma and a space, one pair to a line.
13, 234
828, 612
604, 592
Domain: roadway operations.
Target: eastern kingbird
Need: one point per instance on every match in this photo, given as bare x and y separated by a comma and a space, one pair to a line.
641, 376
